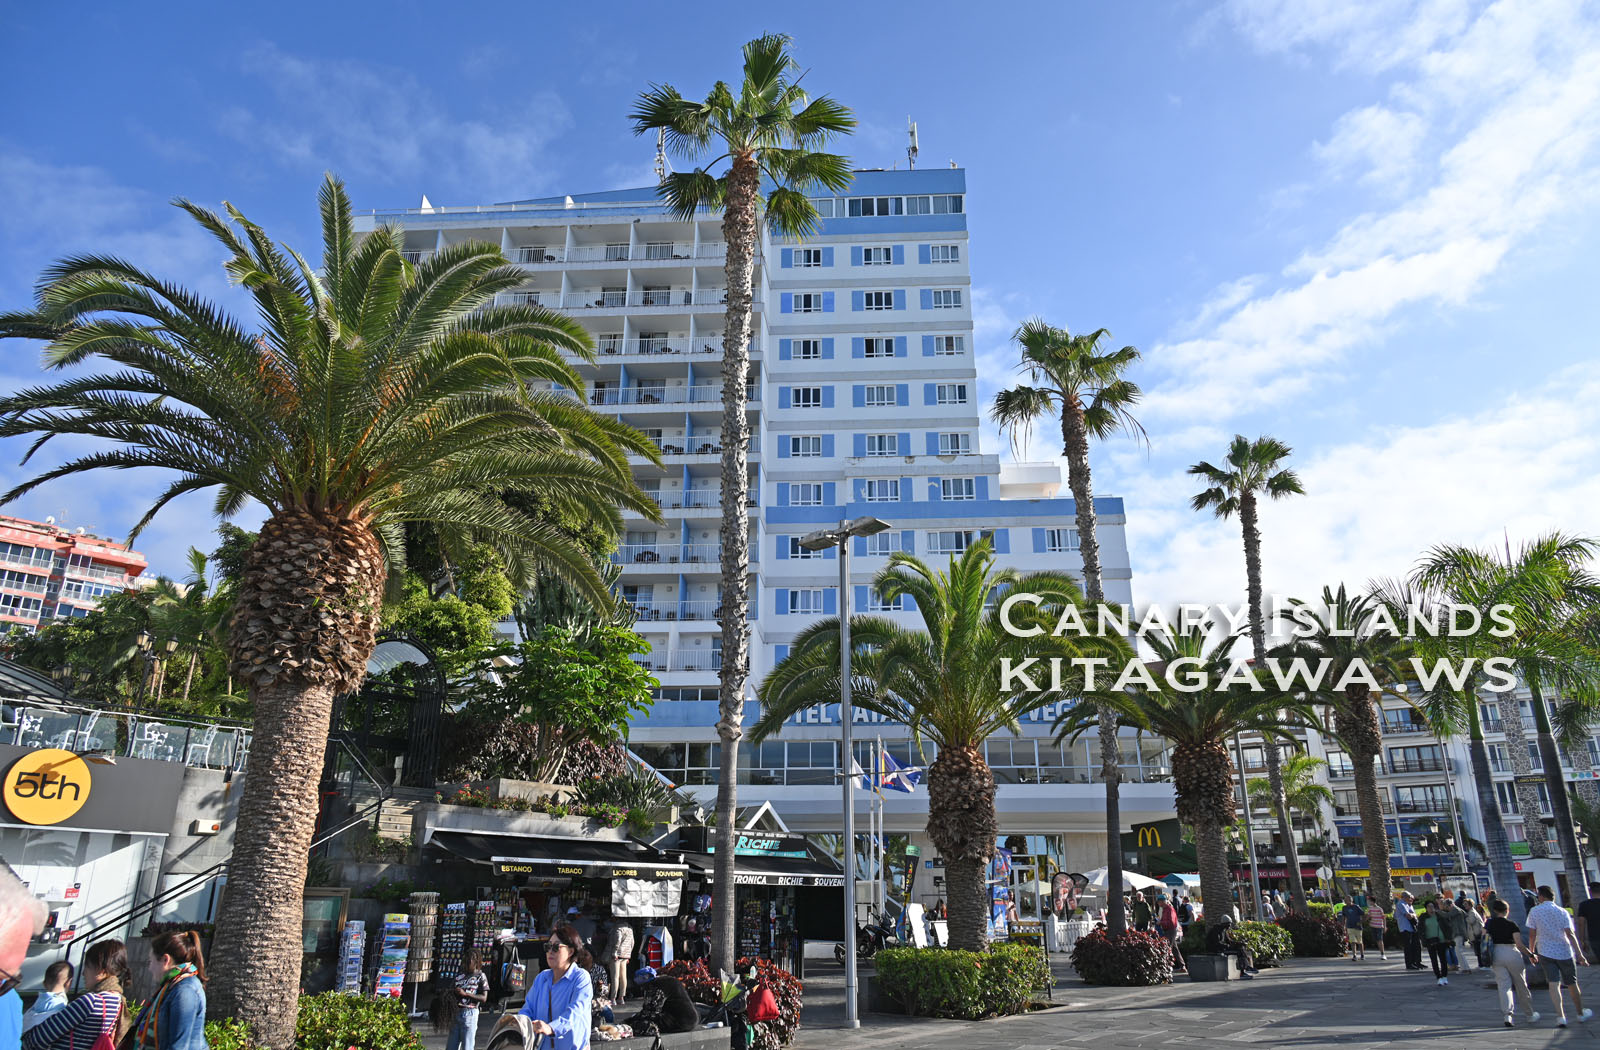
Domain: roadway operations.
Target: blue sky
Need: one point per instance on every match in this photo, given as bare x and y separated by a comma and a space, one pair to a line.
1368, 229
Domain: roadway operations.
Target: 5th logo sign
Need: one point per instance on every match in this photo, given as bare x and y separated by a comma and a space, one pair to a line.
47, 786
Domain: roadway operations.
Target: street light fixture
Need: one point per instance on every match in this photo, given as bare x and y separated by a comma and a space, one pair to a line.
816, 541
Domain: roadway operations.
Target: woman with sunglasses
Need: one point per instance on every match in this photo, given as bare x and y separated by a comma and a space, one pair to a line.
560, 1002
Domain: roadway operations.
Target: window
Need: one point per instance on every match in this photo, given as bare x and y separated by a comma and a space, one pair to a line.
16, 552
883, 543
1339, 764
1593, 744
948, 345
1058, 540
878, 603
806, 397
1499, 762
616, 252
946, 298
1430, 798
878, 347
658, 250
877, 256
883, 490
805, 445
880, 396
808, 302
857, 206
958, 488
877, 301
807, 600
1544, 799
1506, 793
797, 551
824, 206
950, 541
1535, 760
955, 444
883, 444
23, 581
942, 204
807, 257
950, 394
805, 494
16, 605
1415, 759
944, 253
807, 349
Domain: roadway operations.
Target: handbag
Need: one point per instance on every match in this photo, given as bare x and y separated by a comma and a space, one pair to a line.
762, 1005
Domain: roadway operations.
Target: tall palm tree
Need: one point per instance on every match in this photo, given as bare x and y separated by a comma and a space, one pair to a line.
1250, 471
374, 393
1341, 635
1549, 595
770, 130
943, 682
1197, 724
190, 613
1300, 787
1082, 380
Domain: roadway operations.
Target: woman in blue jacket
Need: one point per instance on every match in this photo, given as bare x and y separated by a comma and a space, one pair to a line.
176, 1017
559, 1003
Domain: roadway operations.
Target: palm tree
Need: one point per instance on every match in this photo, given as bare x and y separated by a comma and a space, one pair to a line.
943, 683
771, 130
1075, 376
1341, 636
375, 393
1251, 470
1300, 787
1549, 596
191, 613
1197, 724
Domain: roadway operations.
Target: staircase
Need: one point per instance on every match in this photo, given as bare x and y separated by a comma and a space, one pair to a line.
398, 805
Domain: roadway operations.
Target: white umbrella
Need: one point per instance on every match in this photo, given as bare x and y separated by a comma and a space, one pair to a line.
1097, 877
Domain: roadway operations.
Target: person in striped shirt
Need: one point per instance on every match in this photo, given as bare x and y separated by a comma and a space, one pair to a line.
99, 1011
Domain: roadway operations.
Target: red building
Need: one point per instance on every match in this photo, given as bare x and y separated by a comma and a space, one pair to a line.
50, 573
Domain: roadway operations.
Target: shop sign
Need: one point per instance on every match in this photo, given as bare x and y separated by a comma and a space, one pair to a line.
586, 870
47, 786
1520, 849
745, 878
770, 846
1027, 931
1398, 873
1529, 778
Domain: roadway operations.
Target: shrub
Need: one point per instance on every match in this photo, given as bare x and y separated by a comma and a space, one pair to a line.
1313, 937
1324, 911
769, 1035
1193, 941
1133, 959
335, 1021
934, 982
1269, 943
228, 1034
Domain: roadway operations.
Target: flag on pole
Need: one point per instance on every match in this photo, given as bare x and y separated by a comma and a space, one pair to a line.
856, 771
897, 777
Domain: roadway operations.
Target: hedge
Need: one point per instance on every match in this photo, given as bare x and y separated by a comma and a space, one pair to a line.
1314, 937
1133, 959
331, 1021
1267, 942
938, 982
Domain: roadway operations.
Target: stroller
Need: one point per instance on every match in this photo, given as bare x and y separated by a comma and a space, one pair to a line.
731, 1012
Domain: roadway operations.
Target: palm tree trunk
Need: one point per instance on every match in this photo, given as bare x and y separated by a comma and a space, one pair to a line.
304, 626
1075, 446
1269, 746
1556, 784
1357, 723
962, 825
739, 231
1216, 885
1502, 870
188, 679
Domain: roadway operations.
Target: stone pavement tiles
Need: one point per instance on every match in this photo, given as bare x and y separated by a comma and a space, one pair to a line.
1305, 1003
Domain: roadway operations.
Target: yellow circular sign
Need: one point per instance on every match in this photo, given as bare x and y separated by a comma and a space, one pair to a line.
46, 786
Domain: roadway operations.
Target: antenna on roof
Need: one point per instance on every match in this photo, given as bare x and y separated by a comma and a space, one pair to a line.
911, 148
662, 167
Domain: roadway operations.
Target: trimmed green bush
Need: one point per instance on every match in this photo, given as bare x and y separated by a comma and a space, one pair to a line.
934, 982
1313, 937
228, 1034
1324, 911
335, 1021
1133, 959
1269, 944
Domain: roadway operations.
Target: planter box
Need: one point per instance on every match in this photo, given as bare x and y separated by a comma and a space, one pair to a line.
439, 815
1213, 967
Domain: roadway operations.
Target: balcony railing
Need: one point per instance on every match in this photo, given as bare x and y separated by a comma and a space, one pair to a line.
700, 394
671, 554
595, 299
1403, 727
415, 257
700, 446
681, 660
696, 611
1416, 765
532, 255
1438, 805
1492, 725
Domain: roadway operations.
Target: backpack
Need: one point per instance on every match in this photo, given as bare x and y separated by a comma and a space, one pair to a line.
762, 1005
1168, 920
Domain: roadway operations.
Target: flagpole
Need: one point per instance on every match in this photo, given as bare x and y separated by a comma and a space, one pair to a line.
883, 853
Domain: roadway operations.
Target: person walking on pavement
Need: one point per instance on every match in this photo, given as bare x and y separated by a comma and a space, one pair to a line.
1405, 919
1509, 961
1169, 927
1474, 923
1454, 924
1589, 921
1436, 937
1553, 939
1353, 918
1378, 928
1141, 912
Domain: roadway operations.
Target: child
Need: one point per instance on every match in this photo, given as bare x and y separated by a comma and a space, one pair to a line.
56, 978
471, 991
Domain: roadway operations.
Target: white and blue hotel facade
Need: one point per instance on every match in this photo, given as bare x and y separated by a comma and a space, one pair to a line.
863, 399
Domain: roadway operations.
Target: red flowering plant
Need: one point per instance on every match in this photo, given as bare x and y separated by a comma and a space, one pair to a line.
703, 987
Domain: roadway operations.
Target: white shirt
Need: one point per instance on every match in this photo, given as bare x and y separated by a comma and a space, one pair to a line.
1551, 922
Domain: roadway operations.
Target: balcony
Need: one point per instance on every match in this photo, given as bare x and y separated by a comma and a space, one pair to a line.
595, 299
701, 445
677, 612
707, 554
1492, 725
1405, 727
1438, 805
680, 660
1416, 765
699, 394
416, 257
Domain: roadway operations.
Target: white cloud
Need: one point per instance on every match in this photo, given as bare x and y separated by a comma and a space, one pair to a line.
1495, 122
361, 119
1374, 505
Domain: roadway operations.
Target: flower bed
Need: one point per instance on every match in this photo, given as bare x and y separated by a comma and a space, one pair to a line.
936, 982
1133, 959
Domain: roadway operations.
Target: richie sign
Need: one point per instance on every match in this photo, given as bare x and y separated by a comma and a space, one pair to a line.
46, 786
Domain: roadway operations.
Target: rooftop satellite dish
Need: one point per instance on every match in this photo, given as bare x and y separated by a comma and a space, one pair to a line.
51, 520
911, 148
79, 531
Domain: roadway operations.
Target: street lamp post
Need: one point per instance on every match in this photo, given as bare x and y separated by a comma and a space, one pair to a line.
816, 541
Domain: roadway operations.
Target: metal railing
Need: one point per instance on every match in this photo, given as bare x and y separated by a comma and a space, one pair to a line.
673, 612
597, 299
208, 744
1400, 727
699, 446
1416, 765
1438, 805
670, 554
699, 394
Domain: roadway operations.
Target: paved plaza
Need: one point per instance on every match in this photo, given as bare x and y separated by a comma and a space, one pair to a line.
1305, 1003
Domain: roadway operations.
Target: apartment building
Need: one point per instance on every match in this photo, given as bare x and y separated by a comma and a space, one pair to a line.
48, 572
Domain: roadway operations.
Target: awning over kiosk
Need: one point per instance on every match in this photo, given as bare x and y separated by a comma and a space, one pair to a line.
548, 857
774, 871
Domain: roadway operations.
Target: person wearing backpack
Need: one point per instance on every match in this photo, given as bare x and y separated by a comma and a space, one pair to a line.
1167, 923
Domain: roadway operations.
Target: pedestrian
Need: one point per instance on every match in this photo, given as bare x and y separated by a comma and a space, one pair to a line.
581, 921
1589, 921
1378, 928
1141, 912
1435, 936
54, 997
101, 1010
1171, 929
176, 1018
1269, 913
1474, 921
471, 991
1553, 939
560, 1001
1509, 960
1454, 922
619, 950
1220, 940
1186, 914
1405, 920
22, 918
1353, 918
